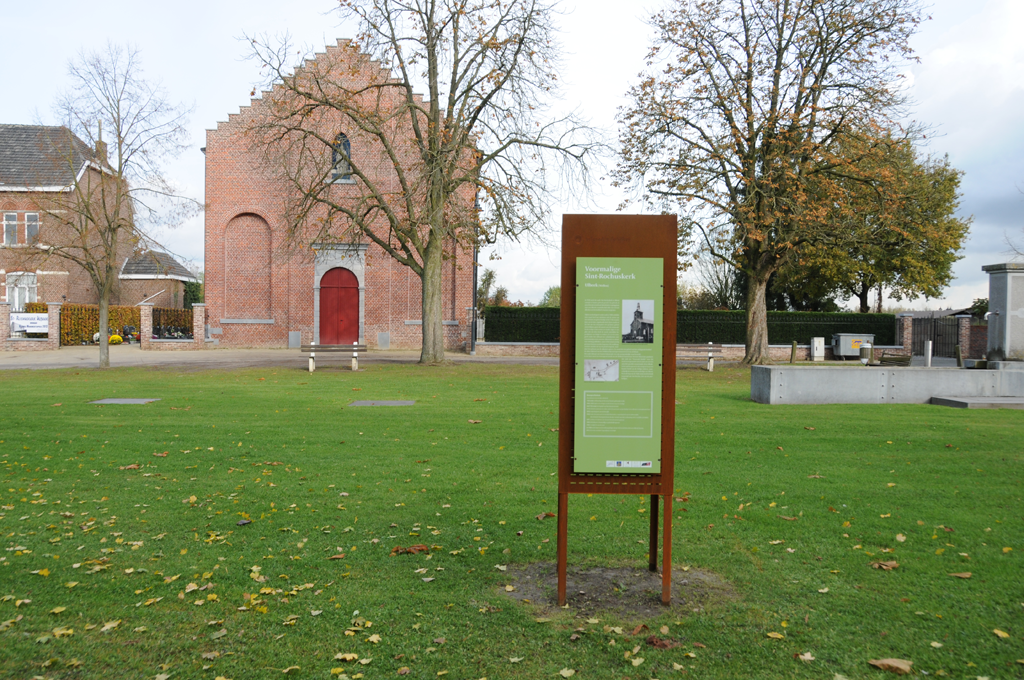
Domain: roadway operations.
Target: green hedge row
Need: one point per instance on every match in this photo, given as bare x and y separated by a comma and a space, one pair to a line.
522, 324
730, 328
541, 324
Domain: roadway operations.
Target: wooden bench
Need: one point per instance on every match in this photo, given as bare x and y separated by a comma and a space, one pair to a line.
894, 360
354, 349
699, 352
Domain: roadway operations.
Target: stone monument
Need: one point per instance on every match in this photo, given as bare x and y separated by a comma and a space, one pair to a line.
1006, 315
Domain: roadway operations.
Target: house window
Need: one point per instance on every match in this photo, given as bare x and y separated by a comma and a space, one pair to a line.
31, 228
21, 288
10, 229
341, 154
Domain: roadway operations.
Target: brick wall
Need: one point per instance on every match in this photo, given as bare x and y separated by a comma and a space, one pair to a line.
52, 341
979, 342
255, 273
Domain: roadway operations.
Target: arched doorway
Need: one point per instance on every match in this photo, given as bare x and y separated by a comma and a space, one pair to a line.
339, 307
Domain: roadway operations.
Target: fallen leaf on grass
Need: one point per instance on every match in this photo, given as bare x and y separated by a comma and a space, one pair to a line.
346, 656
808, 428
1000, 633
789, 519
219, 634
636, 661
639, 628
806, 656
411, 550
288, 670
545, 514
42, 572
515, 659
699, 645
57, 610
474, 422
243, 522
897, 666
161, 455
660, 643
339, 556
936, 645
110, 625
900, 537
885, 566
815, 477
567, 672
965, 574
663, 630
776, 636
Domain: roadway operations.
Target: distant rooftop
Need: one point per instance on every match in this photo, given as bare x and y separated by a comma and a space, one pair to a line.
34, 156
153, 264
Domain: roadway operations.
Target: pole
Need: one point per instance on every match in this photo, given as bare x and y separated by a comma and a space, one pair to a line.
652, 561
666, 553
792, 354
312, 357
928, 353
563, 544
355, 357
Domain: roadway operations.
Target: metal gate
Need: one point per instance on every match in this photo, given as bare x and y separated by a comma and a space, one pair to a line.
942, 331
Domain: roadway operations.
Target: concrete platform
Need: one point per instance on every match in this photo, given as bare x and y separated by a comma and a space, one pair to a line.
980, 402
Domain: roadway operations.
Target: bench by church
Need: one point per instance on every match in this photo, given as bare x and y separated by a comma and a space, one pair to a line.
699, 352
354, 349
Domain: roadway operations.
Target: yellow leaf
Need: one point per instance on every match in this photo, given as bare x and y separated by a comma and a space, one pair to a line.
776, 636
663, 630
567, 672
936, 645
689, 655
1000, 633
346, 656
1005, 550
46, 572
636, 661
57, 610
110, 625
288, 670
897, 666
900, 537
806, 656
71, 584
509, 589
373, 638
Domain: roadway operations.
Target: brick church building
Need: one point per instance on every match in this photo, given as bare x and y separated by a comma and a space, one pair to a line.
266, 290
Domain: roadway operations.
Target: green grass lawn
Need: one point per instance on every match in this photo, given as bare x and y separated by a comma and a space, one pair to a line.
789, 505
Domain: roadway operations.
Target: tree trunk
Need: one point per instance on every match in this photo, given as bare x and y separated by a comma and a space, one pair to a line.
862, 295
432, 313
879, 309
104, 325
757, 321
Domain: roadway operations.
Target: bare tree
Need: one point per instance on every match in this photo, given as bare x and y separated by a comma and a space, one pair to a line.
469, 160
744, 120
104, 213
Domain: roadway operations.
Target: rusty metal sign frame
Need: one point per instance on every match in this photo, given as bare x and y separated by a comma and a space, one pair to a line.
618, 236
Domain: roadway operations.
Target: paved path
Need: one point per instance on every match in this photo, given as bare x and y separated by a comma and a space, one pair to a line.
132, 355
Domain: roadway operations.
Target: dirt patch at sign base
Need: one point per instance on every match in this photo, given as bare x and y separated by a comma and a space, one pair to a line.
629, 592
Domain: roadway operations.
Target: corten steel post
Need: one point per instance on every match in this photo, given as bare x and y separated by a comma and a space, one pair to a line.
618, 236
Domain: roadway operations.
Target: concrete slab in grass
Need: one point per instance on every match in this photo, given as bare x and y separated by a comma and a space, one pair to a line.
980, 402
123, 401
382, 403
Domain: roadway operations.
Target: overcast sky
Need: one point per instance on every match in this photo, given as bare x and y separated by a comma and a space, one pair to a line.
969, 86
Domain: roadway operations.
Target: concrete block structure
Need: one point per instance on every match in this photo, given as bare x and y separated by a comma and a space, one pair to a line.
1006, 311
268, 286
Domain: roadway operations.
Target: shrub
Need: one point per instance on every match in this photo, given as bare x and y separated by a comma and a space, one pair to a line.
522, 324
79, 323
532, 324
115, 339
36, 308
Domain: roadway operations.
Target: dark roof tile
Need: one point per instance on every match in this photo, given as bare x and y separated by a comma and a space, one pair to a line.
40, 156
153, 263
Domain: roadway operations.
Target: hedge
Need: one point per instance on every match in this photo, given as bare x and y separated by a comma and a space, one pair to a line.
522, 324
730, 328
78, 323
541, 324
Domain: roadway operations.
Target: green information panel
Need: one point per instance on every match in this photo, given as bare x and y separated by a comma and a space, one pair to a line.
619, 303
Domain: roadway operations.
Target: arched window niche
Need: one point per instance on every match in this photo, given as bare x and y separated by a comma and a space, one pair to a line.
341, 155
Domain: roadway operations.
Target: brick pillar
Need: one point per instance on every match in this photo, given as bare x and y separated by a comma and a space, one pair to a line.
199, 325
53, 325
906, 332
963, 334
5, 325
145, 325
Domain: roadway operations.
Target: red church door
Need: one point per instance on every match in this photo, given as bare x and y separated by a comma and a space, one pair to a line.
339, 308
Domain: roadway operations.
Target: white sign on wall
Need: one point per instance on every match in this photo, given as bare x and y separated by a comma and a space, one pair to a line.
30, 323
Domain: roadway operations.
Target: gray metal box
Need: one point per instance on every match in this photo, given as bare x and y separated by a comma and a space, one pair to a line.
848, 344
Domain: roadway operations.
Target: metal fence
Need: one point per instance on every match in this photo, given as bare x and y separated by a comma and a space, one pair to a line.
942, 331
172, 324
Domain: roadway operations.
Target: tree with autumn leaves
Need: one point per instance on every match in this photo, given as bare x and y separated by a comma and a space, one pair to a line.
902, 239
459, 117
757, 122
